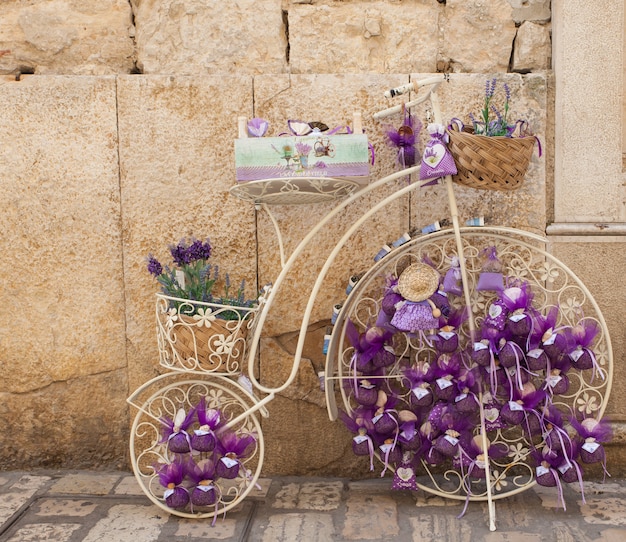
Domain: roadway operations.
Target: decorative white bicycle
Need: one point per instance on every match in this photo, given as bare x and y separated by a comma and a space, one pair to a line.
505, 454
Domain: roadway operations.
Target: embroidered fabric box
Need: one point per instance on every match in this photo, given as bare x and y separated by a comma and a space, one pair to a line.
313, 155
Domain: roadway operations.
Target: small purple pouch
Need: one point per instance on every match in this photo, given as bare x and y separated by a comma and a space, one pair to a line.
452, 283
490, 281
490, 278
437, 161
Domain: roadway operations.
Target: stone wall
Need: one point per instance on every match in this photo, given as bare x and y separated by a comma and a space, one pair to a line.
121, 142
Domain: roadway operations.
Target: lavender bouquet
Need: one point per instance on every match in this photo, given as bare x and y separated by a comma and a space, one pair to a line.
192, 277
494, 120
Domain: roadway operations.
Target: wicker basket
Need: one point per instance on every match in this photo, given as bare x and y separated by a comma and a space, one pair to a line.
491, 163
216, 348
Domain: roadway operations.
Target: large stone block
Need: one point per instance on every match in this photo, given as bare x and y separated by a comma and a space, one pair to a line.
90, 37
63, 289
362, 37
533, 48
200, 37
62, 337
477, 35
177, 166
531, 10
78, 423
599, 263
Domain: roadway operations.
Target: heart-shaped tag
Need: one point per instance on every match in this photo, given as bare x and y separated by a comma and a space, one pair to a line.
495, 311
491, 414
404, 473
434, 154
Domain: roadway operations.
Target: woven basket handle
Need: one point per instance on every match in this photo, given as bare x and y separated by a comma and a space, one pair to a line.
456, 124
524, 131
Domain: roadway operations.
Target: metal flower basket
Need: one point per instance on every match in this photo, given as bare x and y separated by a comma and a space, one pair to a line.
196, 336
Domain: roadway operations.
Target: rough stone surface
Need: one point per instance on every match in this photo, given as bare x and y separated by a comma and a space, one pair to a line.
589, 96
483, 22
370, 517
201, 37
363, 37
313, 527
175, 175
82, 421
598, 264
77, 37
321, 496
531, 10
63, 344
292, 442
533, 48
62, 325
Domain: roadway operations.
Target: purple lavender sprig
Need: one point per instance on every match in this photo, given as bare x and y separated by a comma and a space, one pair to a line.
498, 124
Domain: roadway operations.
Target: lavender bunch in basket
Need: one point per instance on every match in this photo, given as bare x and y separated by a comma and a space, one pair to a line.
494, 120
192, 277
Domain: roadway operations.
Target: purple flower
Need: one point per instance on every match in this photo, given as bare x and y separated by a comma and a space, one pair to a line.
154, 267
179, 253
183, 254
507, 92
490, 88
199, 250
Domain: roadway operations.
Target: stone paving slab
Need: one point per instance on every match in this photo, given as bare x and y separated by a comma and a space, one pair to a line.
109, 506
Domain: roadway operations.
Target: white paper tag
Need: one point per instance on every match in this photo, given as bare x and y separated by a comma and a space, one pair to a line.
590, 446
443, 383
452, 440
376, 418
460, 397
517, 317
550, 340
535, 353
228, 462
515, 406
446, 334
420, 393
480, 346
541, 470
576, 354
553, 380
564, 468
360, 438
206, 489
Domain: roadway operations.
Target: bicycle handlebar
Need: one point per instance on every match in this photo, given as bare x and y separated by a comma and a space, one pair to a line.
433, 82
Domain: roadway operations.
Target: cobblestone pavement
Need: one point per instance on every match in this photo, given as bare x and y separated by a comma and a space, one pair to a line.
110, 507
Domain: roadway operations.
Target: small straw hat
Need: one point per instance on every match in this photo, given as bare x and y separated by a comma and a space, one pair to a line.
418, 282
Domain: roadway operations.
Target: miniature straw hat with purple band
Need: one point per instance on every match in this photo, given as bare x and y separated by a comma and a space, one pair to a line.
418, 282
